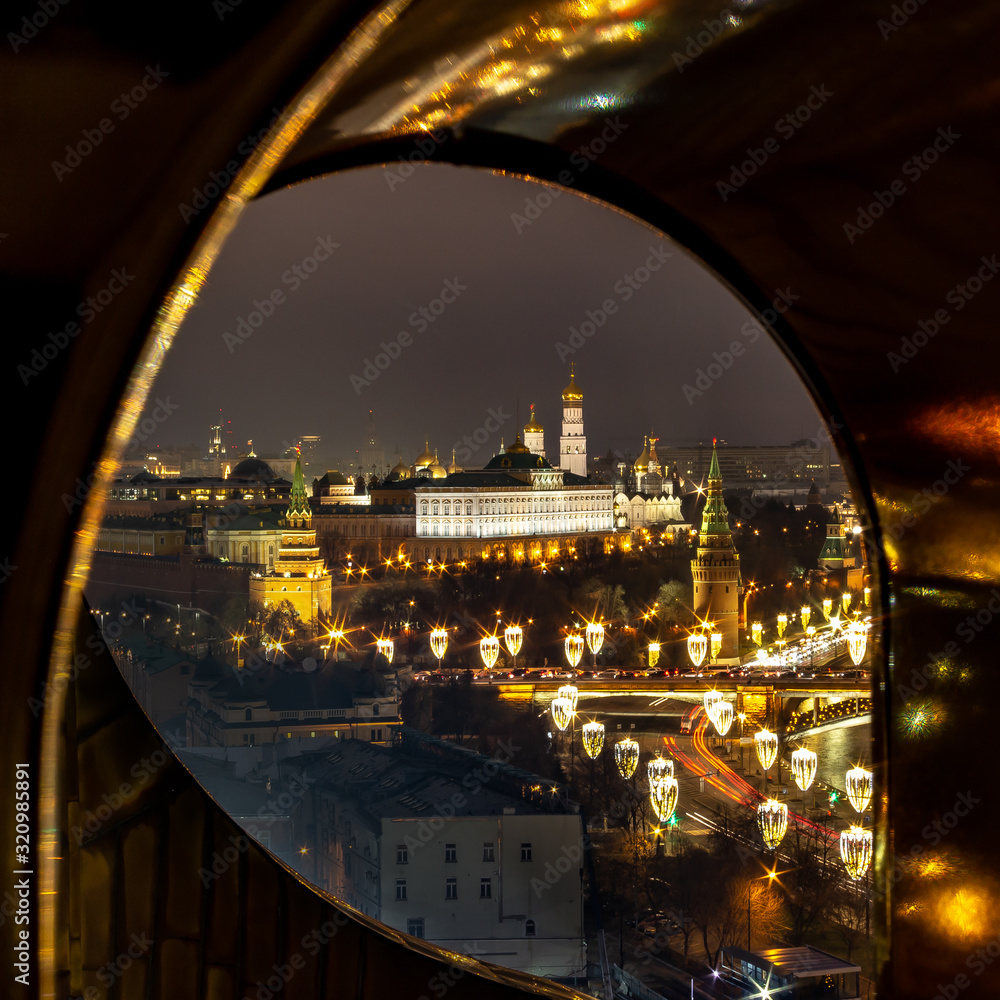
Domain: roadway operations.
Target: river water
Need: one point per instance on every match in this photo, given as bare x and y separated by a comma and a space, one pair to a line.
839, 748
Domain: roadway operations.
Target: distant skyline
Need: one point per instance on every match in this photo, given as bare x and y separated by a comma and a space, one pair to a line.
446, 301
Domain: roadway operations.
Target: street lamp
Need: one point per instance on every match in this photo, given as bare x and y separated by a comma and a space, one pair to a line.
654, 654
571, 693
386, 647
593, 739
697, 644
856, 851
663, 796
716, 639
859, 788
772, 819
711, 700
845, 601
562, 712
827, 607
489, 650
804, 768
512, 636
868, 597
782, 625
767, 748
439, 643
595, 638
574, 649
724, 716
857, 641
757, 632
805, 612
627, 756
659, 767
811, 632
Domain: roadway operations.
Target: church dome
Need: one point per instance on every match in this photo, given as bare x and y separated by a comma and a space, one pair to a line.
572, 392
254, 468
641, 464
427, 458
517, 448
400, 471
453, 466
436, 469
533, 426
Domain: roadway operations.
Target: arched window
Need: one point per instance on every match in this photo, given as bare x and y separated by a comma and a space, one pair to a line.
435, 507
468, 507
423, 506
248, 715
245, 552
447, 507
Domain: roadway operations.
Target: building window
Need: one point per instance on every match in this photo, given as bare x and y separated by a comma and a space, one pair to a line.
415, 928
450, 853
248, 715
529, 928
402, 857
487, 852
451, 888
526, 852
486, 888
401, 889
375, 709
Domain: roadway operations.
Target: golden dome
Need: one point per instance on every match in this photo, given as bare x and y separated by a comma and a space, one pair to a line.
436, 469
426, 459
641, 464
572, 392
533, 426
399, 470
518, 447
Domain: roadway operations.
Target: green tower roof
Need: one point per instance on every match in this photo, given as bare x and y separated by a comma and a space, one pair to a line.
298, 502
713, 469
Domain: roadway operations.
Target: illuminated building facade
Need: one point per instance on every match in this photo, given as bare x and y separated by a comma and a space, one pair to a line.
716, 568
534, 435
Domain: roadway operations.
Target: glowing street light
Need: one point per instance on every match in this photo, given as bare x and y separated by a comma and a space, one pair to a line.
562, 712
868, 597
386, 647
782, 625
512, 636
772, 819
804, 768
627, 756
857, 641
767, 748
574, 649
659, 767
595, 638
859, 788
716, 639
856, 851
757, 632
827, 607
724, 716
711, 700
845, 601
489, 650
570, 693
654, 654
663, 797
697, 648
805, 613
593, 738
439, 643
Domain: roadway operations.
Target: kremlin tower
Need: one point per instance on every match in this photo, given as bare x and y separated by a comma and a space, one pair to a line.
534, 435
716, 568
300, 574
573, 443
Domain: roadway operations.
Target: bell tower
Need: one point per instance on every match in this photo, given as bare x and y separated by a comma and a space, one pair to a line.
573, 443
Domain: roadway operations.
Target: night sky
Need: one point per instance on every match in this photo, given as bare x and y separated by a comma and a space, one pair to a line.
401, 241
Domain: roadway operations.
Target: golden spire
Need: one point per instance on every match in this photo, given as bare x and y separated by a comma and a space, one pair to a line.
572, 392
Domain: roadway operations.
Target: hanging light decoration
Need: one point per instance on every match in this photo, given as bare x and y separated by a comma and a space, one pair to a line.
489, 650
574, 649
697, 648
857, 641
593, 738
724, 716
663, 797
827, 607
845, 601
782, 625
627, 756
659, 767
805, 613
772, 818
868, 597
711, 700
757, 632
856, 851
512, 636
716, 640
439, 643
767, 748
386, 647
595, 636
654, 653
804, 768
859, 788
570, 693
562, 712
